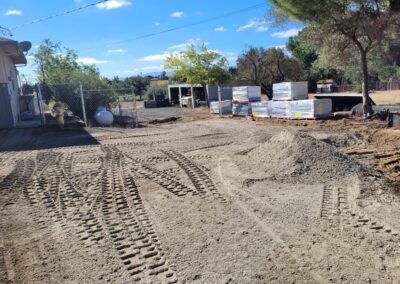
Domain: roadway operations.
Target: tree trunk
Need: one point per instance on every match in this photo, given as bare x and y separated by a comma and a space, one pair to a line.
367, 108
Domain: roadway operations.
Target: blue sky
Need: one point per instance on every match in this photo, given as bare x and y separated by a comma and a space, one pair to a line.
102, 34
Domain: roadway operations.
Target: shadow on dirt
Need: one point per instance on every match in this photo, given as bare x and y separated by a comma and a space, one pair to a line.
43, 138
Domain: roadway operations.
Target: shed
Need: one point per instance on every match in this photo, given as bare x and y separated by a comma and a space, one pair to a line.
326, 86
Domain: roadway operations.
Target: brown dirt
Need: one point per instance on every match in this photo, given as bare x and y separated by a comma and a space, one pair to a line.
183, 202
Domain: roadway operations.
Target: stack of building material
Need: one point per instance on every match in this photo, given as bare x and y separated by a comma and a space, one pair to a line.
242, 97
290, 91
241, 109
260, 109
279, 109
311, 109
226, 107
291, 101
246, 94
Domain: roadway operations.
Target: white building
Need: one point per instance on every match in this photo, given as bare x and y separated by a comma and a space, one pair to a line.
11, 55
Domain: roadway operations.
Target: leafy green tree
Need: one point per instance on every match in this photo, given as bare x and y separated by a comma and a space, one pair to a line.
264, 67
198, 65
344, 25
60, 74
389, 73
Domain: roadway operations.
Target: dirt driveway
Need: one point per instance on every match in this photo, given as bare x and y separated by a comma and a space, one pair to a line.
214, 201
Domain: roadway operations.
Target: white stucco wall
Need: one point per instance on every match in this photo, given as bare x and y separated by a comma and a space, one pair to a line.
8, 75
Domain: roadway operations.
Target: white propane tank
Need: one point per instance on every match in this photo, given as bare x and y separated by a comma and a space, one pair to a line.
104, 117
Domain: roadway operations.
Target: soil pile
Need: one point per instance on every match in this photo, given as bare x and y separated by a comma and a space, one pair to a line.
296, 156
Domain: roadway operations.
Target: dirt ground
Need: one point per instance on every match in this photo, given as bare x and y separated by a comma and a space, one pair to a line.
201, 200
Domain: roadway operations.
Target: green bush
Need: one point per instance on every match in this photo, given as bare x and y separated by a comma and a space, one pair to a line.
389, 73
160, 93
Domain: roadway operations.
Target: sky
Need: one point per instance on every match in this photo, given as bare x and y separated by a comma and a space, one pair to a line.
106, 34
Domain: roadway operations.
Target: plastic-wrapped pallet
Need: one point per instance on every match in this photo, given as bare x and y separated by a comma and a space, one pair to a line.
246, 94
279, 109
260, 109
311, 109
239, 109
290, 91
226, 107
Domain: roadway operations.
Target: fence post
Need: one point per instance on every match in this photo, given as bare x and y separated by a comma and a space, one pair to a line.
42, 111
135, 106
83, 104
219, 101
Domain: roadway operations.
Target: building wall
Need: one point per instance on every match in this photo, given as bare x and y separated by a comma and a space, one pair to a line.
9, 92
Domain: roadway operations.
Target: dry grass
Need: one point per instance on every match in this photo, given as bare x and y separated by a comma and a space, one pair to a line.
386, 97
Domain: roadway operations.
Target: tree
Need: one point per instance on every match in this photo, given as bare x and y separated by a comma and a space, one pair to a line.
264, 67
198, 65
59, 74
343, 24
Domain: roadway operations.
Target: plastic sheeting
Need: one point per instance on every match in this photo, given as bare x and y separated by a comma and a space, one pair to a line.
290, 91
311, 109
239, 109
226, 107
246, 94
260, 109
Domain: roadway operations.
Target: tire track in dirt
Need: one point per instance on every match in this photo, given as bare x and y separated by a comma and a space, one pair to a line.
200, 179
129, 226
228, 188
335, 208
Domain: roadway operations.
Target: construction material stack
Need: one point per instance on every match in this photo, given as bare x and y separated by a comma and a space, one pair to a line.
290, 100
243, 97
226, 107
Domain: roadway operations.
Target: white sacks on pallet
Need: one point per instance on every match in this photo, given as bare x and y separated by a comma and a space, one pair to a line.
311, 109
260, 109
239, 109
246, 94
290, 91
226, 107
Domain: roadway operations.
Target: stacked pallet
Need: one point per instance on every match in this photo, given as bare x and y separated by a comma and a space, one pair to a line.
226, 107
242, 99
291, 101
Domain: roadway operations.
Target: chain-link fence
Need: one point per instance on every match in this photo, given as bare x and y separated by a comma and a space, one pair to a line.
80, 107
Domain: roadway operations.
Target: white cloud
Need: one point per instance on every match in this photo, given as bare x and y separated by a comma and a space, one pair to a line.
177, 14
258, 24
132, 71
286, 34
153, 68
261, 29
183, 46
157, 23
116, 51
220, 29
280, 46
13, 13
90, 60
30, 57
113, 4
155, 57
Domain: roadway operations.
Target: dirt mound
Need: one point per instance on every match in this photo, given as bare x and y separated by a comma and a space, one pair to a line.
300, 157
